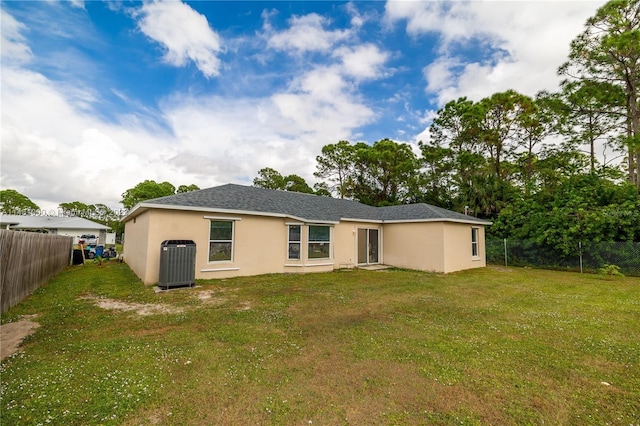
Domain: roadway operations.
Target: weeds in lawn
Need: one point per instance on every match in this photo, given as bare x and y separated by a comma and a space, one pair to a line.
400, 347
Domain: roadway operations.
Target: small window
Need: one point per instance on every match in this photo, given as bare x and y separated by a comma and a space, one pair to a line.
220, 240
319, 242
474, 242
294, 242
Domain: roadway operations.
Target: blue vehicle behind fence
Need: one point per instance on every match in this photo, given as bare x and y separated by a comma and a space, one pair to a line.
93, 250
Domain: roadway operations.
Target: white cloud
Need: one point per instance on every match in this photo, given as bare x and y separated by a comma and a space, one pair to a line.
529, 40
364, 61
184, 33
358, 18
229, 140
79, 4
321, 104
440, 74
305, 34
54, 152
14, 48
449, 19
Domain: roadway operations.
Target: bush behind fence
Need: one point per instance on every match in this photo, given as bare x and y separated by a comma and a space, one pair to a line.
588, 256
27, 261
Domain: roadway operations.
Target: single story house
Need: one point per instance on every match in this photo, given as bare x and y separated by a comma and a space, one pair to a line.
60, 225
243, 230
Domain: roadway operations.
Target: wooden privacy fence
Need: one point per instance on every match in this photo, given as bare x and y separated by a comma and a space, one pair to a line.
27, 261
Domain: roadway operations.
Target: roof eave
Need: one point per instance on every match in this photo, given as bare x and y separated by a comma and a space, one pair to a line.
441, 219
351, 219
142, 207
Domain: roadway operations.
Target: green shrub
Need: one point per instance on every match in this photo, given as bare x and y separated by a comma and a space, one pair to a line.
611, 270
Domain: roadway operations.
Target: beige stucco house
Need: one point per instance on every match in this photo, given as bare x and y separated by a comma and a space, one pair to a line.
244, 230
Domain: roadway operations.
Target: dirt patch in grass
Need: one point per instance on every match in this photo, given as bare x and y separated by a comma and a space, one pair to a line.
244, 306
141, 309
13, 333
499, 268
212, 297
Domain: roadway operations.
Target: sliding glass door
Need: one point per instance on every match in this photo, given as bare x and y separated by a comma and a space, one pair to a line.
368, 243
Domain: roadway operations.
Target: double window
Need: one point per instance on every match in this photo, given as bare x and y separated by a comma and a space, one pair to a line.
317, 239
221, 240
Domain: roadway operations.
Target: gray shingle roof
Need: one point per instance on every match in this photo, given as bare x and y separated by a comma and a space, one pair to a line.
49, 222
307, 207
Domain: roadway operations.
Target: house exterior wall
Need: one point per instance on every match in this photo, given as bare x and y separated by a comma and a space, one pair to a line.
136, 243
346, 247
457, 247
260, 244
433, 246
415, 246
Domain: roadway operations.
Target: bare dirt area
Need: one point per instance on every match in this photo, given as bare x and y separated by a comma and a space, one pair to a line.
142, 309
12, 334
499, 268
212, 297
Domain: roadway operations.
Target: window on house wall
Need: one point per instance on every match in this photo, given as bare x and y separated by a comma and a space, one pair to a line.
319, 242
221, 240
474, 242
294, 242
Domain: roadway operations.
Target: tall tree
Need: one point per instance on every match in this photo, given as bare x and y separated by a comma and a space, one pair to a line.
501, 114
103, 213
336, 165
295, 183
558, 162
594, 111
187, 188
454, 138
146, 190
79, 209
272, 179
538, 119
456, 126
13, 202
436, 175
321, 189
385, 173
454, 157
269, 178
608, 51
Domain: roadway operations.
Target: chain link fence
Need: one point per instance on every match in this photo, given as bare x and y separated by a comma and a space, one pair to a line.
588, 256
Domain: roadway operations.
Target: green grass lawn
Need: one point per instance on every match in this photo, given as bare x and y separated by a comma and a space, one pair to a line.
493, 346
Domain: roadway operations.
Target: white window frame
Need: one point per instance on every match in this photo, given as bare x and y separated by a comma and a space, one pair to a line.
475, 242
310, 242
233, 234
290, 241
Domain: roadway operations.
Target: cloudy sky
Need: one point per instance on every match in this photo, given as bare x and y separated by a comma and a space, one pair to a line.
99, 96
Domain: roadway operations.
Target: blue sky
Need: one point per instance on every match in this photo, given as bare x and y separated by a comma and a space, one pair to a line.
99, 96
